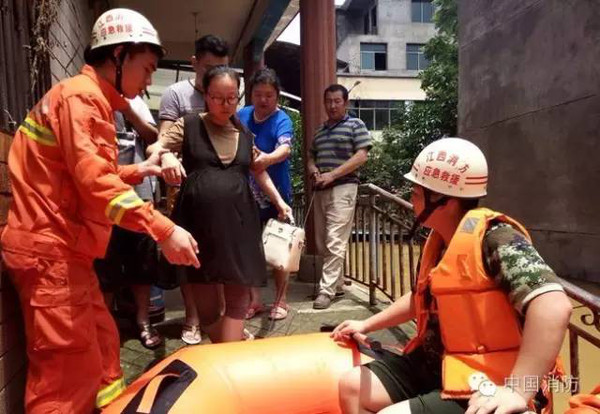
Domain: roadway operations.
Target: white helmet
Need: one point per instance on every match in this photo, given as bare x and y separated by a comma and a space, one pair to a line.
451, 166
122, 26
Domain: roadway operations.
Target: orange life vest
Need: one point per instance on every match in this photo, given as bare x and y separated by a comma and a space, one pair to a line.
480, 329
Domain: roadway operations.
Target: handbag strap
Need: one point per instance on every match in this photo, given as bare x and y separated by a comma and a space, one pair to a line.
310, 204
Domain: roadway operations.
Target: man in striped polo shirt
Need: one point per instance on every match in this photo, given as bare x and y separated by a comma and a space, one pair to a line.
340, 147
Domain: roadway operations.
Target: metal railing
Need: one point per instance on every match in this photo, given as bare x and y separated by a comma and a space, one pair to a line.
590, 318
380, 253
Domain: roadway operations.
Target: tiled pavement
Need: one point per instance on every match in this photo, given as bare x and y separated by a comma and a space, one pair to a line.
302, 318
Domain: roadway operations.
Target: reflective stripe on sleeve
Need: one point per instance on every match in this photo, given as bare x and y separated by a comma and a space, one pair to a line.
120, 204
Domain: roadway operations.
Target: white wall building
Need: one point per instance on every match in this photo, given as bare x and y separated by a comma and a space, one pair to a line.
381, 44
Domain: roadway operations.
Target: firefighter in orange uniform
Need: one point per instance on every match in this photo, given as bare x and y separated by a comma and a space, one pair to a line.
68, 192
491, 314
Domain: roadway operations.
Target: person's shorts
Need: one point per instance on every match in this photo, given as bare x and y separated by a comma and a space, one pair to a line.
131, 259
406, 377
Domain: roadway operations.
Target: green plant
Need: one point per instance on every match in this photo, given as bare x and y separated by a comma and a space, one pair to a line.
420, 123
297, 166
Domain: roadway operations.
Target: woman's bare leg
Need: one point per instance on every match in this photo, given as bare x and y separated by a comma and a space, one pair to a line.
361, 392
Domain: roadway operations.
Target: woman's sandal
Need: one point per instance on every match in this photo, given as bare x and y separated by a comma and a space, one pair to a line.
279, 311
254, 310
247, 335
191, 335
149, 336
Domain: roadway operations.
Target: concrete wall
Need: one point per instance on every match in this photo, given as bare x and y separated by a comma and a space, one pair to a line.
69, 36
394, 27
393, 89
529, 83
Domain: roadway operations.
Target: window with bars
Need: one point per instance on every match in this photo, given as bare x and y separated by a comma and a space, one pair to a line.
377, 114
373, 56
415, 57
422, 11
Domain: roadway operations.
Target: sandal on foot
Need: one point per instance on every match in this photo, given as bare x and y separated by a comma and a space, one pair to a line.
191, 335
149, 336
254, 310
279, 311
247, 335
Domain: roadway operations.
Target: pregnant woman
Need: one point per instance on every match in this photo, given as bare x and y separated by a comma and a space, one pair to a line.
217, 206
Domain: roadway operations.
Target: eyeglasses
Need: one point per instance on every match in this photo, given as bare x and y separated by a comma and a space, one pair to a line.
232, 100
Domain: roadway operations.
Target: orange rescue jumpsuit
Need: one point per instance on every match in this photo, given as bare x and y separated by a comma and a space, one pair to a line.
68, 192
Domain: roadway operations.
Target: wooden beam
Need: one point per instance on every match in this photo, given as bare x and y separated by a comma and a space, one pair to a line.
318, 66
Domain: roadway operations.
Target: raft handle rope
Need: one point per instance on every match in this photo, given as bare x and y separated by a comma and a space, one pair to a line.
365, 344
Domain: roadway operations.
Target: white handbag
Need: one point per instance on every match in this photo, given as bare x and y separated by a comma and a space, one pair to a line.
283, 244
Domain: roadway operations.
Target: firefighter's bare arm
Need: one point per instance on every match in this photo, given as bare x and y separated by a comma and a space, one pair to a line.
181, 248
134, 173
151, 166
546, 321
399, 312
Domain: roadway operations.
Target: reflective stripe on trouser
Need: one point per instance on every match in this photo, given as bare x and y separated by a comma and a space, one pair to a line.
72, 340
334, 212
110, 392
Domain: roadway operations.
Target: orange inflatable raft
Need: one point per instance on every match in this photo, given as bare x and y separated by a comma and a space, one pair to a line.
292, 375
585, 403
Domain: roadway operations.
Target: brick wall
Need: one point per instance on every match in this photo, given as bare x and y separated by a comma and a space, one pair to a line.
69, 36
12, 344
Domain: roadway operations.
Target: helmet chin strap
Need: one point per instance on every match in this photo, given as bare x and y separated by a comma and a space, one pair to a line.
119, 64
430, 207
